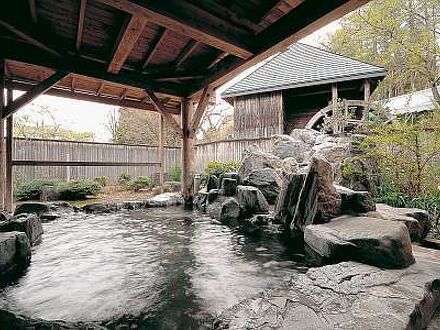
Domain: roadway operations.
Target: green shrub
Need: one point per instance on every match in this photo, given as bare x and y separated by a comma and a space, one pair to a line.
141, 182
217, 168
101, 180
175, 173
124, 179
78, 189
32, 189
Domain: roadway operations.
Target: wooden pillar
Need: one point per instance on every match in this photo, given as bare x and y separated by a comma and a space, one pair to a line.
161, 153
2, 136
187, 154
367, 94
334, 96
9, 198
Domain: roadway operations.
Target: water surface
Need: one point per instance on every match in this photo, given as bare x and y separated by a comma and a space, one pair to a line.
165, 268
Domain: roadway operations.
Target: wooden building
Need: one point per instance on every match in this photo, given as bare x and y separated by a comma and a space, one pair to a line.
165, 56
295, 88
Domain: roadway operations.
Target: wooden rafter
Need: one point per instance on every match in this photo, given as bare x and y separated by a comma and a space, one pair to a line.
191, 20
33, 93
124, 94
100, 88
126, 42
217, 59
154, 47
33, 11
80, 26
186, 52
201, 107
72, 84
162, 110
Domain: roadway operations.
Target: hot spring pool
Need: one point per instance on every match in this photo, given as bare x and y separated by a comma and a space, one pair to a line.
164, 268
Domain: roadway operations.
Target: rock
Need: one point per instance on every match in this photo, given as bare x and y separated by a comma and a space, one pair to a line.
214, 208
417, 221
256, 223
49, 216
372, 241
284, 146
332, 149
267, 180
230, 211
229, 175
355, 201
251, 201
212, 195
5, 216
29, 224
357, 174
308, 136
348, 295
32, 207
165, 200
289, 165
212, 182
133, 205
201, 200
175, 186
228, 187
99, 208
15, 252
49, 194
255, 160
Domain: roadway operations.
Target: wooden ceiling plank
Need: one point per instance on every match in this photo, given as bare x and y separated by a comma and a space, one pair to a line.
80, 26
33, 93
217, 59
162, 110
307, 18
192, 21
33, 11
128, 40
186, 52
274, 7
154, 47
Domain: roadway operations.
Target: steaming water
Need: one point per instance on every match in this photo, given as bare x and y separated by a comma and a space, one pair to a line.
169, 268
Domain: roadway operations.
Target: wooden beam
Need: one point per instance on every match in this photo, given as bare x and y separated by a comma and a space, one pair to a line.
161, 152
33, 11
28, 36
124, 94
307, 18
121, 102
162, 110
2, 137
76, 163
187, 155
192, 21
72, 84
80, 26
186, 52
154, 47
33, 93
201, 107
126, 42
9, 197
217, 59
100, 88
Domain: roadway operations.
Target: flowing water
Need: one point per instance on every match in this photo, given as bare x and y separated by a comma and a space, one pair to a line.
167, 268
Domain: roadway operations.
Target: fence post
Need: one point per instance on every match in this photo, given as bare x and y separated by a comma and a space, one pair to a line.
68, 168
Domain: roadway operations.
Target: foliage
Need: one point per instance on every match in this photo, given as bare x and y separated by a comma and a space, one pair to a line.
124, 178
217, 122
175, 173
141, 182
32, 190
217, 168
140, 127
400, 35
167, 188
78, 189
101, 180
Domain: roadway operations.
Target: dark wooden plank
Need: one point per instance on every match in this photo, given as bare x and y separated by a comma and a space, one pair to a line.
187, 154
9, 195
186, 52
33, 11
126, 43
80, 27
192, 21
161, 35
33, 93
76, 163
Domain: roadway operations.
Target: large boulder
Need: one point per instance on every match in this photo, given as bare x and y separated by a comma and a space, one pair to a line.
355, 201
15, 252
228, 186
284, 146
37, 208
418, 221
267, 180
251, 201
356, 173
215, 206
230, 211
165, 200
331, 148
201, 200
29, 224
372, 241
254, 160
212, 182
307, 136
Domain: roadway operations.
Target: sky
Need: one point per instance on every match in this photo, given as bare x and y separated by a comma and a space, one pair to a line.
91, 117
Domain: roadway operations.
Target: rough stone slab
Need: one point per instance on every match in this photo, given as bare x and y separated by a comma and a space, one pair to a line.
15, 251
30, 224
348, 295
353, 201
32, 207
251, 201
267, 180
373, 241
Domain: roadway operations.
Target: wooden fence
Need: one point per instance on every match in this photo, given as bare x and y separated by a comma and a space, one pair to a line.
63, 151
43, 150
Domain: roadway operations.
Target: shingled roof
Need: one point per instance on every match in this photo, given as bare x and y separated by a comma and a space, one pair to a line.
302, 66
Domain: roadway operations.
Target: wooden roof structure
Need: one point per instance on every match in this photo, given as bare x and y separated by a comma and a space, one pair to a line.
135, 52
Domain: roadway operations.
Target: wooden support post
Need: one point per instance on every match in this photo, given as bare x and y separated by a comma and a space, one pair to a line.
187, 154
201, 107
2, 135
334, 96
9, 193
161, 154
367, 93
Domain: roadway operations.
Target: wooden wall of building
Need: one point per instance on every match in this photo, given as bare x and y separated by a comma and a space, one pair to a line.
258, 115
